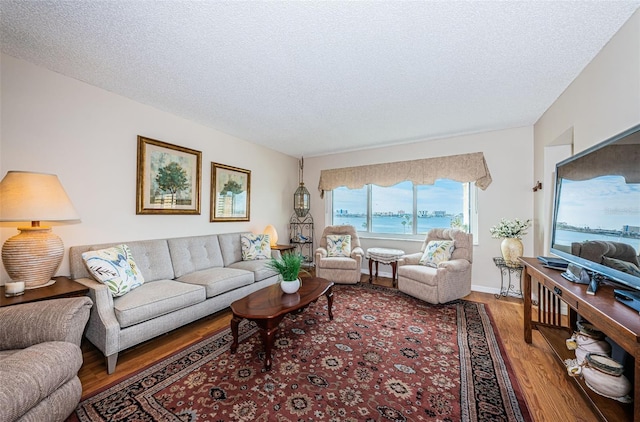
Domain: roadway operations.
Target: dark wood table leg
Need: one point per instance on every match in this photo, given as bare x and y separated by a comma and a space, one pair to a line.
527, 306
235, 321
370, 273
268, 330
329, 296
376, 270
394, 273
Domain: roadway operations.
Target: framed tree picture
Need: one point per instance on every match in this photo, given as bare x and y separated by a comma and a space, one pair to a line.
230, 193
168, 178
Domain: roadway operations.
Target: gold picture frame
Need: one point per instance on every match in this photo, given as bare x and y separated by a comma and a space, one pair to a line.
230, 193
168, 178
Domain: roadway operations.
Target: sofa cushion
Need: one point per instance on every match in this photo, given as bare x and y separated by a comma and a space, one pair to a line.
33, 374
231, 247
258, 268
154, 299
194, 253
338, 245
114, 267
218, 280
152, 258
255, 246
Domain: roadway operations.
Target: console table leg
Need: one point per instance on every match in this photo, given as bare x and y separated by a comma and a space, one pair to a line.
527, 305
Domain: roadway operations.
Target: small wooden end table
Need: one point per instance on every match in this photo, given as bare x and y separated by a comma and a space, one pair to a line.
268, 306
62, 288
386, 256
284, 248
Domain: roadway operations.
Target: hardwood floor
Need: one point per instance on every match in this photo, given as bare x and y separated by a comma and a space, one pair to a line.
551, 396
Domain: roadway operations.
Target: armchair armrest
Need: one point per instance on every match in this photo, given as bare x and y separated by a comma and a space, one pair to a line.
38, 322
321, 253
357, 251
455, 265
410, 259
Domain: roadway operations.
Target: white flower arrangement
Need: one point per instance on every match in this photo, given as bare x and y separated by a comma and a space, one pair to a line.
510, 229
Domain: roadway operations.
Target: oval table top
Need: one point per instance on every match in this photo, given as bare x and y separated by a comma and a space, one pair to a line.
271, 302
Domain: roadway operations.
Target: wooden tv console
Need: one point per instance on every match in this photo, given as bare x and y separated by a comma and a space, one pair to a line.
619, 322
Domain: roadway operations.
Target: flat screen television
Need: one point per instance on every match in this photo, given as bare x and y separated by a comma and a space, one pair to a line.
597, 200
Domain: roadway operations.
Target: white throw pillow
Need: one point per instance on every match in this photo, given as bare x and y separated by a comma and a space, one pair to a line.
255, 246
437, 251
115, 268
339, 245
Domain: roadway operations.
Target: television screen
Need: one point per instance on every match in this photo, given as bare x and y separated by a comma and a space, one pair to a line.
596, 220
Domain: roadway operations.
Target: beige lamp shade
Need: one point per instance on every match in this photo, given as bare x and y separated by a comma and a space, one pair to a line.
273, 235
34, 255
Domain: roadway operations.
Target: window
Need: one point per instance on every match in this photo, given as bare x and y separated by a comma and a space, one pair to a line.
405, 209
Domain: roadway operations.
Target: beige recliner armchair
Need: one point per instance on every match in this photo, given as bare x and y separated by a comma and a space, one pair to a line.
40, 357
448, 281
345, 270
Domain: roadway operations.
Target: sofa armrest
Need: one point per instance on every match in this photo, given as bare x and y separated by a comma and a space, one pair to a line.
48, 320
410, 259
103, 329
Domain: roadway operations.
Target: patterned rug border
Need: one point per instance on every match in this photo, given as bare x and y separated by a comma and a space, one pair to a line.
248, 329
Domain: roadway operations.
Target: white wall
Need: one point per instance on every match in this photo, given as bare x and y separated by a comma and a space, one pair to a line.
602, 101
88, 137
509, 156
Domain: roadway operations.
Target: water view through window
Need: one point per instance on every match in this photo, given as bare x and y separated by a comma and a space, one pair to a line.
403, 208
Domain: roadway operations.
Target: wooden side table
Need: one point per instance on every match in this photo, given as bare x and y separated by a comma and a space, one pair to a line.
386, 256
283, 248
63, 287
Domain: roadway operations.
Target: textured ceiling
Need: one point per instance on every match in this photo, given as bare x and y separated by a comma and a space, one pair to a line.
310, 78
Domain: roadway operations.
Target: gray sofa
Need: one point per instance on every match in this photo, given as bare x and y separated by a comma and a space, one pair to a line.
40, 358
186, 279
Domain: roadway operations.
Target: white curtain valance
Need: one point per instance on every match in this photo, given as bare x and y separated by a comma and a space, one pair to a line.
462, 168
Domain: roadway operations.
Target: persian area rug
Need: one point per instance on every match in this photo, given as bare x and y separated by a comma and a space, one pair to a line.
384, 357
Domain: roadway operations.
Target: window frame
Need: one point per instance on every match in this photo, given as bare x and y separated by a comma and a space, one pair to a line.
472, 205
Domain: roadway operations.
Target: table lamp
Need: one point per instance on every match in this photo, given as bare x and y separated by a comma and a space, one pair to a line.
34, 255
273, 235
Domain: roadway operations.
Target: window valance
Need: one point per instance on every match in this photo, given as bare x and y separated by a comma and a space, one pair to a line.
462, 168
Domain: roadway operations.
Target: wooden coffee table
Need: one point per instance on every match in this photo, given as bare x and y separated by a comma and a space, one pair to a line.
268, 306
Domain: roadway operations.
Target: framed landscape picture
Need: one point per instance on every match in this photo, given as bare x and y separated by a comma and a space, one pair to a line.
230, 193
168, 180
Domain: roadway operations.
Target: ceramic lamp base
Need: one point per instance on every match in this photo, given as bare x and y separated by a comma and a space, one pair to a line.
33, 255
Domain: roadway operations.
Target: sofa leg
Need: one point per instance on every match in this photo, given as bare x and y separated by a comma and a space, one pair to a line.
111, 362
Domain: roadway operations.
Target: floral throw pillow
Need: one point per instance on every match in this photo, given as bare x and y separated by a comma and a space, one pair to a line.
115, 268
437, 251
255, 246
338, 245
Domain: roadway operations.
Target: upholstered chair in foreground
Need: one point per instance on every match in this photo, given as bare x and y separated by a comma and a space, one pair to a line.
443, 273
40, 357
335, 261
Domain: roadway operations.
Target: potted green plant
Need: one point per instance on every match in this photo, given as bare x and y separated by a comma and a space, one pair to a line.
289, 267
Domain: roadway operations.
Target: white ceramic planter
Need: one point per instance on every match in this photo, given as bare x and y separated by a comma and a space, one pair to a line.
290, 286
